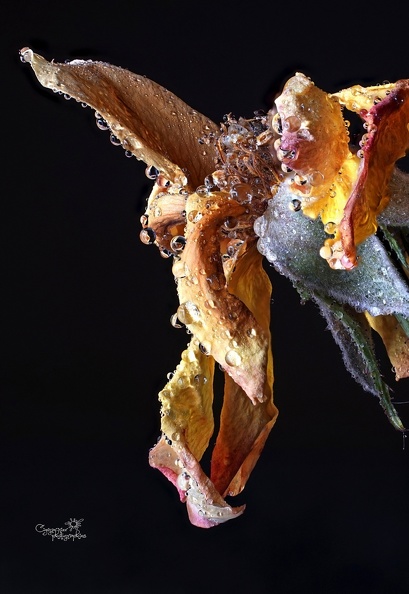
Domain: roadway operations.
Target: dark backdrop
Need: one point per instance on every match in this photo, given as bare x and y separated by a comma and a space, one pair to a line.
87, 341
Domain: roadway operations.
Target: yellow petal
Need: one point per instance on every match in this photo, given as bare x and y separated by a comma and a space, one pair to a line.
187, 401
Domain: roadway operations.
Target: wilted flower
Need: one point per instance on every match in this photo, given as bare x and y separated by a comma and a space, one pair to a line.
289, 185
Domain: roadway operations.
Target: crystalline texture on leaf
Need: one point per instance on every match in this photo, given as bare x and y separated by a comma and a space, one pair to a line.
291, 242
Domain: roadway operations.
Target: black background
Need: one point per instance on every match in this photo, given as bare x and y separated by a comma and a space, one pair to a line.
87, 341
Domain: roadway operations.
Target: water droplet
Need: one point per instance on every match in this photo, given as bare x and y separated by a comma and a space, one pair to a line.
178, 243
292, 124
114, 140
241, 192
162, 181
202, 191
210, 303
200, 379
276, 124
147, 236
205, 347
325, 252
174, 321
229, 224
170, 375
330, 228
284, 168
295, 205
315, 178
188, 312
209, 183
128, 154
193, 216
101, 123
151, 172
179, 269
67, 97
216, 282
232, 358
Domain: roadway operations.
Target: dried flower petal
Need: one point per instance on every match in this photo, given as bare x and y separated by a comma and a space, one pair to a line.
386, 142
148, 120
395, 340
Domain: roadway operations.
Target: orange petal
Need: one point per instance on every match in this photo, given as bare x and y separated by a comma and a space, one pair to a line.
224, 325
245, 425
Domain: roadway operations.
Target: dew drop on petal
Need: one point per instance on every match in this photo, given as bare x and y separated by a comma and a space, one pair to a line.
232, 358
114, 140
151, 172
147, 236
177, 243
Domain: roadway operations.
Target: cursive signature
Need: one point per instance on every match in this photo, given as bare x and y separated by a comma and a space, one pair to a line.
70, 533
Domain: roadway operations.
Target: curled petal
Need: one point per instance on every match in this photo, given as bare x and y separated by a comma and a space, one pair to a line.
386, 142
245, 426
314, 139
206, 508
164, 215
224, 325
152, 123
187, 425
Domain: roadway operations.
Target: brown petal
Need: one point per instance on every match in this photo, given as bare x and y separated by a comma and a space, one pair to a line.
151, 122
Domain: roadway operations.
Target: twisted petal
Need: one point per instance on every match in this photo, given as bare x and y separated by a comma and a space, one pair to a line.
386, 141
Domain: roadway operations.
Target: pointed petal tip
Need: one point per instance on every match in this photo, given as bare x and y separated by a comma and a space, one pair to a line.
26, 55
209, 519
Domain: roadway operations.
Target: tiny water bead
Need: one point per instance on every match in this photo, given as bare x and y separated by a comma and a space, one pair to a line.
205, 348
114, 140
295, 205
174, 321
188, 312
178, 243
151, 172
330, 228
101, 123
232, 358
147, 236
